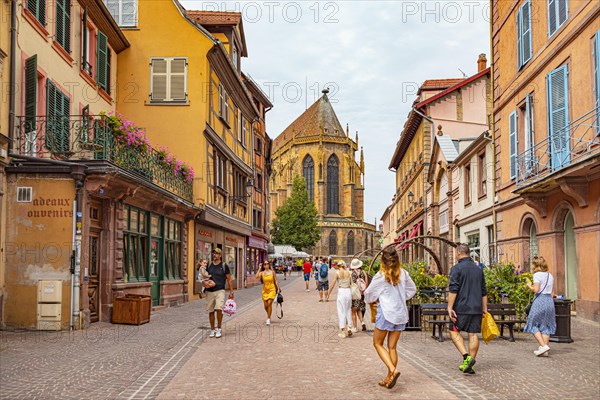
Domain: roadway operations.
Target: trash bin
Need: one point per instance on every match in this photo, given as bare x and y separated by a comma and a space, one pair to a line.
414, 317
562, 308
132, 309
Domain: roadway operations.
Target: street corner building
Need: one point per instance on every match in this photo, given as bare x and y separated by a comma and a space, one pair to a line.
316, 147
111, 194
546, 128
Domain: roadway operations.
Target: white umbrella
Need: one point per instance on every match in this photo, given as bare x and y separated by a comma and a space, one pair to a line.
275, 255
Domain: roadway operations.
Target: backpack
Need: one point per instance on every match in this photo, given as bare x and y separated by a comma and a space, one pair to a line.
323, 272
360, 282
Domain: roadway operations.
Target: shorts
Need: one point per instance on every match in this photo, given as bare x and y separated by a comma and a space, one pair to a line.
215, 300
307, 277
384, 325
470, 323
323, 285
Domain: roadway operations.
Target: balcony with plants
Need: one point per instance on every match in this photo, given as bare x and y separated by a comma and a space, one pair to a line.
106, 137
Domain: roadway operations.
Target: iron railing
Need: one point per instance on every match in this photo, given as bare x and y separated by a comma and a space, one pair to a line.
578, 141
89, 137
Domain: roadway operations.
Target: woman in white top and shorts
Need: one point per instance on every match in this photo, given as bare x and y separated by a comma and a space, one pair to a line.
344, 298
392, 287
541, 321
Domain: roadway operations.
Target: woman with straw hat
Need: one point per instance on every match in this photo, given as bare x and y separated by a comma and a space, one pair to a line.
359, 277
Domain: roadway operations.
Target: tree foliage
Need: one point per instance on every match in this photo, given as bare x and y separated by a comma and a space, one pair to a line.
295, 221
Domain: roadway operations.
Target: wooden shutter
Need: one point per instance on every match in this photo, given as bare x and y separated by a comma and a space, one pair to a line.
562, 11
51, 116
177, 79
84, 41
30, 93
64, 138
38, 9
63, 24
519, 37
101, 69
558, 115
528, 122
158, 79
526, 39
597, 73
552, 23
512, 134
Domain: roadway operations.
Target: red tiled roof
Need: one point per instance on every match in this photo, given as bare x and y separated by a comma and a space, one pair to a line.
318, 119
431, 84
452, 88
215, 17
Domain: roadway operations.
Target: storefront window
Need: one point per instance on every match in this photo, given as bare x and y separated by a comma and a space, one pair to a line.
173, 249
230, 259
135, 245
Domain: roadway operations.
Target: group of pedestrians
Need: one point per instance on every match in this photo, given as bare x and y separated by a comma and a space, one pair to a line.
389, 290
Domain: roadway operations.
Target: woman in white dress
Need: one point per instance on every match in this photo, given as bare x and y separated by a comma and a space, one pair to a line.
344, 298
391, 287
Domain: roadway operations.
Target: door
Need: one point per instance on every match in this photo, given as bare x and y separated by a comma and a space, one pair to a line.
94, 275
570, 258
156, 258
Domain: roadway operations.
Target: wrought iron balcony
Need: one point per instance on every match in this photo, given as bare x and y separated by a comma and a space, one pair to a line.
577, 142
84, 138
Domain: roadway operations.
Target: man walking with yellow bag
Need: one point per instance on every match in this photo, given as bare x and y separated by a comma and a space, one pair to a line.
467, 304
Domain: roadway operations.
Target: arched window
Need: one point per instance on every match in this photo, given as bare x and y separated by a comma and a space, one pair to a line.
366, 241
308, 171
332, 243
350, 243
333, 186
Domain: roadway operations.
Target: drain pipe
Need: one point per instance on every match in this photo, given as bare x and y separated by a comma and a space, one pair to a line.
13, 73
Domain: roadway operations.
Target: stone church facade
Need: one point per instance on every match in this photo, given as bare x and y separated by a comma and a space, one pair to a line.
316, 147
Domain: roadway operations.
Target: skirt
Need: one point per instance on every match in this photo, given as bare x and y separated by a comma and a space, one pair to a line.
542, 317
384, 325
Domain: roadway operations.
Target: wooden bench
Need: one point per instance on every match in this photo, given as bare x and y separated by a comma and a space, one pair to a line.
435, 311
505, 315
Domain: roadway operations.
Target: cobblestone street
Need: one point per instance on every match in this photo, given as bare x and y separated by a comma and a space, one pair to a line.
298, 357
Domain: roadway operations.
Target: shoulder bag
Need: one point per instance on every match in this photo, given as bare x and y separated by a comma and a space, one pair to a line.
528, 308
354, 291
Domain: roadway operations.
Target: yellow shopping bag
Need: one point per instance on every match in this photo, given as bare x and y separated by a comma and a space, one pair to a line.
489, 329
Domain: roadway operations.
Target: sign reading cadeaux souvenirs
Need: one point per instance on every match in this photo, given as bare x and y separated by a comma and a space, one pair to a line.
54, 207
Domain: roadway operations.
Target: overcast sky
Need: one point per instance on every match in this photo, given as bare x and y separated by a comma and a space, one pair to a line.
372, 55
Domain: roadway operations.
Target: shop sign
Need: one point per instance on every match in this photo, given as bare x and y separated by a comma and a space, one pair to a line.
257, 243
205, 233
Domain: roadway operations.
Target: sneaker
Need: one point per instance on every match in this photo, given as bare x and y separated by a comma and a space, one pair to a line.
471, 372
218, 333
467, 365
541, 350
212, 333
268, 321
354, 330
320, 300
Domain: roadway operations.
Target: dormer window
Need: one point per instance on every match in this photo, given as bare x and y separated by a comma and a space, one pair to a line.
235, 56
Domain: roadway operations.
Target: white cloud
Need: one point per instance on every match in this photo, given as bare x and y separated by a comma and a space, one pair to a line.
375, 54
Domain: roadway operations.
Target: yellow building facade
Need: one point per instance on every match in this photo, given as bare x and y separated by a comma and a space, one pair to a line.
182, 80
316, 147
546, 73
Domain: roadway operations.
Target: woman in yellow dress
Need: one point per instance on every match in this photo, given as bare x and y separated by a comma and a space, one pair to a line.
270, 287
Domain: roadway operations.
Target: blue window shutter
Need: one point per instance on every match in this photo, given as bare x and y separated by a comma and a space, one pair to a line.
558, 116
519, 37
512, 122
526, 24
562, 11
597, 67
552, 22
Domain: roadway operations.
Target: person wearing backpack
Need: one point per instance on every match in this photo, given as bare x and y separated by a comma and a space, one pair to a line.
323, 278
359, 277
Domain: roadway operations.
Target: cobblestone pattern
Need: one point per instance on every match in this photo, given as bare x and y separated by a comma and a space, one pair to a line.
106, 361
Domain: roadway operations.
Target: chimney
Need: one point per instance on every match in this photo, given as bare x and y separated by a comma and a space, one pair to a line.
481, 63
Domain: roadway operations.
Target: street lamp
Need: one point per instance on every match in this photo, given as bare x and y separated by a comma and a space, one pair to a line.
411, 199
249, 186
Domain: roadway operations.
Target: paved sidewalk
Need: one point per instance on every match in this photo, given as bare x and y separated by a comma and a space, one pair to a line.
106, 361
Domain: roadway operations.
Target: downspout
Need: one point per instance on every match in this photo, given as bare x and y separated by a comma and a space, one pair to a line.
493, 135
13, 74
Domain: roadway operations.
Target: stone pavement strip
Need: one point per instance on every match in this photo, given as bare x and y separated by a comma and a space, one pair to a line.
297, 357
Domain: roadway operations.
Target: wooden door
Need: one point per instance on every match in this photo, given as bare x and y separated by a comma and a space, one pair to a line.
94, 275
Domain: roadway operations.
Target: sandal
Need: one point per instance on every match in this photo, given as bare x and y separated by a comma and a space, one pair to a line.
384, 382
392, 382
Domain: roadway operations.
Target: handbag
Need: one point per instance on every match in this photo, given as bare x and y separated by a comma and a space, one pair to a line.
489, 329
354, 291
528, 308
362, 284
279, 306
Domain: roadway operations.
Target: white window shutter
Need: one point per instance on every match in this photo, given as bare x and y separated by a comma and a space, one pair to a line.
178, 77
513, 143
129, 11
158, 71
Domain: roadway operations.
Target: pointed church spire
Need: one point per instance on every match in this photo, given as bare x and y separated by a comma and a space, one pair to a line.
362, 158
356, 139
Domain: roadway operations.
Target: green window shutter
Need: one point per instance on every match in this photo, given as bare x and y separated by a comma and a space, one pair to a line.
63, 24
101, 70
30, 93
51, 120
64, 138
38, 9
84, 44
